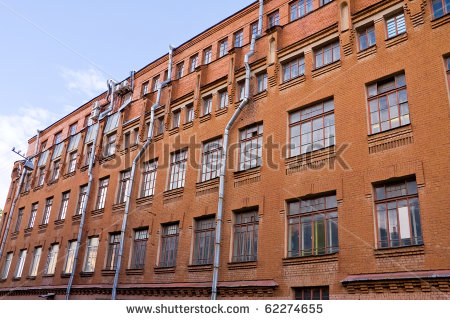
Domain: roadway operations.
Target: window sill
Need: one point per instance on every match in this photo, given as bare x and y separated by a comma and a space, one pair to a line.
324, 258
188, 125
260, 95
52, 182
158, 137
242, 265
437, 22
161, 270
207, 187
43, 226
107, 158
396, 39
314, 159
85, 274
68, 175
108, 273
25, 193
3, 280
84, 168
16, 278
76, 217
27, 231
220, 112
134, 272
14, 235
205, 118
38, 188
200, 268
174, 131
144, 200
118, 207
292, 82
326, 68
246, 177
65, 275
173, 195
58, 222
389, 139
381, 253
31, 278
367, 52
48, 275
97, 212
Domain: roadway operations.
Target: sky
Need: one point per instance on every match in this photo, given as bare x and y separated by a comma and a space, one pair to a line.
57, 55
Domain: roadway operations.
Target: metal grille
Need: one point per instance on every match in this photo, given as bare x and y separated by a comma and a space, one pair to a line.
102, 189
91, 254
204, 241
246, 237
113, 251
169, 245
34, 208
71, 248
51, 259
64, 204
139, 249
47, 210
212, 151
178, 170
251, 142
125, 177
149, 178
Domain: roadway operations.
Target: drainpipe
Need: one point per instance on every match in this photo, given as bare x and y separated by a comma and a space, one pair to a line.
16, 197
111, 83
133, 171
224, 155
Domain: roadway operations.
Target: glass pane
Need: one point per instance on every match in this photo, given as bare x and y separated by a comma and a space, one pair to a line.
372, 89
382, 227
293, 238
412, 187
402, 97
405, 230
319, 234
363, 41
306, 237
414, 212
393, 224
328, 105
331, 202
294, 117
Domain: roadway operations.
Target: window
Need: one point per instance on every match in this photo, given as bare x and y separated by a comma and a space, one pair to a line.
300, 8
178, 169
166, 75
194, 63
223, 96
81, 200
212, 151
110, 146
47, 210
56, 166
43, 145
294, 69
19, 219
395, 25
176, 118
169, 245
155, 83
223, 48
6, 265
388, 104
86, 120
447, 68
207, 104
125, 177
274, 19
245, 246
27, 184
366, 38
254, 29
160, 126
238, 39
139, 249
145, 88
52, 257
207, 55
312, 128
73, 129
72, 162
70, 257
311, 293
126, 140
262, 82
204, 241
89, 149
34, 208
327, 54
41, 177
149, 178
20, 263
189, 113
113, 251
57, 138
440, 8
35, 261
251, 142
135, 139
312, 226
241, 92
180, 69
398, 214
324, 2
91, 254
102, 189
64, 205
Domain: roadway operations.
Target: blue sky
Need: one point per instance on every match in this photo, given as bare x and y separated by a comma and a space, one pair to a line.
56, 55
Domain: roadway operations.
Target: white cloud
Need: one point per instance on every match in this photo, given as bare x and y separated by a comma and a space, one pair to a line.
15, 130
89, 82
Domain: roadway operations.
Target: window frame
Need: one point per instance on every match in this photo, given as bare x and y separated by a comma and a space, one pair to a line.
193, 63
47, 211
113, 251
72, 165
322, 50
250, 226
6, 265
124, 182
34, 265
308, 7
144, 88
365, 31
52, 258
33, 213
394, 16
243, 139
70, 257
443, 7
209, 154
176, 117
189, 113
261, 82
155, 83
300, 293
19, 219
223, 99
64, 205
175, 165
169, 245
206, 105
207, 55
139, 252
91, 254
238, 38
22, 256
204, 234
273, 19
223, 48
298, 66
102, 193
149, 178
82, 198
180, 70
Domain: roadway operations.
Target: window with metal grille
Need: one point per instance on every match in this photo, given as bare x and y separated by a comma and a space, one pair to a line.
71, 248
169, 245
102, 190
160, 126
64, 204
261, 82
193, 63
125, 177
312, 128
178, 169
6, 265
89, 149
41, 178
395, 25
19, 219
73, 129
207, 105
113, 251
204, 241
155, 83
312, 293
180, 70
300, 8
110, 145
211, 159
245, 242
273, 19
238, 39
57, 138
398, 214
91, 254
47, 210
139, 249
440, 8
327, 54
35, 261
33, 212
72, 162
144, 89
189, 113
51, 259
366, 37
27, 183
176, 118
388, 104
254, 29
223, 96
207, 55
312, 226
251, 143
223, 48
56, 166
81, 200
241, 92
20, 263
293, 69
149, 178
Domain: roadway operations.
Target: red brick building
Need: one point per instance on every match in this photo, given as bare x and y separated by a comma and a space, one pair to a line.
337, 173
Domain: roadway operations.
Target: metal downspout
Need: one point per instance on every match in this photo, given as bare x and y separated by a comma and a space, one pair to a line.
133, 171
224, 156
110, 83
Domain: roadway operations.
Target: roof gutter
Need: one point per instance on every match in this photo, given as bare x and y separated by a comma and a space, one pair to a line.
224, 154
